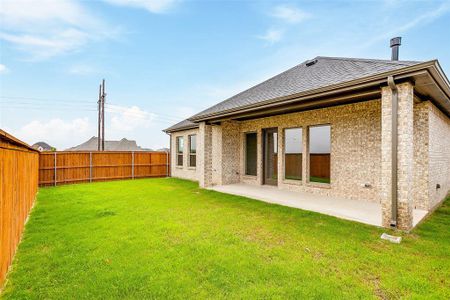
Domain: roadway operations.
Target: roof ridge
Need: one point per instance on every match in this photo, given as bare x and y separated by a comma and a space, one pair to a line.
387, 61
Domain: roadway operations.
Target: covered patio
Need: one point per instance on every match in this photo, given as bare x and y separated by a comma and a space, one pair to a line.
360, 211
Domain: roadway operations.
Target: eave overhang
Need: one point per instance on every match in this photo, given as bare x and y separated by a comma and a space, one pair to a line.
428, 77
168, 131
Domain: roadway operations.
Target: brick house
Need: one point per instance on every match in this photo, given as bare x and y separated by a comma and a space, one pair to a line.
328, 127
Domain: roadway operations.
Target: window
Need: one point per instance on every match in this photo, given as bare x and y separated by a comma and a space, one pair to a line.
319, 153
192, 150
180, 146
293, 153
250, 153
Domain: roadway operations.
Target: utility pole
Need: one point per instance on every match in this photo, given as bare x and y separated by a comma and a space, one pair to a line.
101, 117
103, 114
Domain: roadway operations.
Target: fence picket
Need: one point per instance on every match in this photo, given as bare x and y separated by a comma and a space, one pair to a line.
18, 187
75, 167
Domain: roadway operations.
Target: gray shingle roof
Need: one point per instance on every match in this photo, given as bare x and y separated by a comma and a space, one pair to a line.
324, 72
185, 124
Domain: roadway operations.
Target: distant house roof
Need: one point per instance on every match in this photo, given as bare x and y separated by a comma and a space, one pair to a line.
310, 75
121, 145
42, 146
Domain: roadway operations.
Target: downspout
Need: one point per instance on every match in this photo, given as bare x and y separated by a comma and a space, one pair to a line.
394, 147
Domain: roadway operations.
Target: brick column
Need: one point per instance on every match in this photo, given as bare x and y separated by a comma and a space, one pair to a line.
259, 158
230, 143
205, 155
217, 155
305, 155
280, 156
405, 156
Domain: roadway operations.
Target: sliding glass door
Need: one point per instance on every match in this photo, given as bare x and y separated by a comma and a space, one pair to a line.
270, 156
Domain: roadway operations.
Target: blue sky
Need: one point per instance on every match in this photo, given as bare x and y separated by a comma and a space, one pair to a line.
164, 60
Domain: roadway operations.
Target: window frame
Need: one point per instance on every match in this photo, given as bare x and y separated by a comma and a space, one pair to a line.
309, 154
178, 153
192, 154
301, 148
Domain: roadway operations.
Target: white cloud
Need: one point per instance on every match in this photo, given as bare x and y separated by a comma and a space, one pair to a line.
424, 18
3, 69
47, 28
153, 6
290, 14
56, 132
272, 35
129, 118
287, 14
25, 13
44, 46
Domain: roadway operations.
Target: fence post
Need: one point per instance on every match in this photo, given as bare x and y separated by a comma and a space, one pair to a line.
54, 162
132, 164
90, 166
167, 164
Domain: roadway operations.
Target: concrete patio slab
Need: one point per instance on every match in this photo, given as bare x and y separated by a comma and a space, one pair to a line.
360, 211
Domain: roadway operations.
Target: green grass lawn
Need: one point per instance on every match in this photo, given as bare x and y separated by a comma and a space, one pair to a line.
311, 179
319, 179
166, 238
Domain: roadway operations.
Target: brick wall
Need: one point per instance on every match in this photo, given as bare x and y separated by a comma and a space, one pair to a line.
231, 152
184, 171
421, 150
355, 148
439, 155
217, 154
405, 155
205, 154
356, 151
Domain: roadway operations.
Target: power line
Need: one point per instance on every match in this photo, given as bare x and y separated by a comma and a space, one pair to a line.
60, 105
48, 108
25, 108
146, 115
176, 118
26, 101
154, 120
46, 99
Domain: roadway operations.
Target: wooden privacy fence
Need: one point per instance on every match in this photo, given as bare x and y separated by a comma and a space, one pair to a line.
319, 164
74, 167
18, 187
